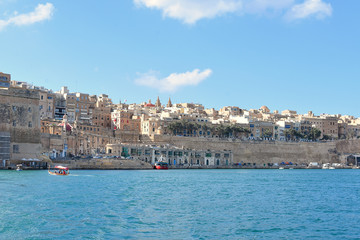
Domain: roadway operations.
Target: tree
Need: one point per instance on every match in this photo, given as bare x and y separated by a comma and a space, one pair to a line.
267, 133
292, 134
326, 137
220, 130
314, 134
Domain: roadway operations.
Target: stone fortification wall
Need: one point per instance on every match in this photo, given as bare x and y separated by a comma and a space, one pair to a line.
105, 164
348, 146
262, 152
19, 118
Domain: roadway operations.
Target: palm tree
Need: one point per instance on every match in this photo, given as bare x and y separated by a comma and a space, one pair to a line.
314, 134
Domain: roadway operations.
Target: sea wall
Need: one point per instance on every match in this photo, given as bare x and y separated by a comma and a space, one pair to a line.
347, 147
104, 164
263, 152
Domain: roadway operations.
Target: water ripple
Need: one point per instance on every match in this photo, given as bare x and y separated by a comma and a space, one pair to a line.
180, 204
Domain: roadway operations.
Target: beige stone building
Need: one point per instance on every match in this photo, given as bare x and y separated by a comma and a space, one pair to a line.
261, 129
5, 80
84, 108
102, 111
152, 126
327, 124
125, 120
19, 125
230, 111
46, 104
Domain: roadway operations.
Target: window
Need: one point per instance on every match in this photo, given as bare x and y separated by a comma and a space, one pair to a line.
30, 124
42, 97
14, 123
16, 149
29, 109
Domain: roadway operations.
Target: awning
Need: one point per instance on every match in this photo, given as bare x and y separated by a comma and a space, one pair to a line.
30, 160
61, 167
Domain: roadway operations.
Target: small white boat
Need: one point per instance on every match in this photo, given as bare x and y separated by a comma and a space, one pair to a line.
331, 168
326, 166
19, 167
281, 168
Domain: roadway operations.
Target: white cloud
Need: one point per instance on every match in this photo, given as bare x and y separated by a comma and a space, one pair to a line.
191, 11
174, 81
310, 8
42, 12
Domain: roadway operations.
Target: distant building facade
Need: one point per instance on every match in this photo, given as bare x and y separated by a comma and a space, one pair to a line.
19, 124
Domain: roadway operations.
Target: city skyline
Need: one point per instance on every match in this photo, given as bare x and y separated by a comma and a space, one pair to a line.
298, 55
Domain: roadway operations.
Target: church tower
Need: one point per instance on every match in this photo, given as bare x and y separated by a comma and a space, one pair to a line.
158, 103
169, 104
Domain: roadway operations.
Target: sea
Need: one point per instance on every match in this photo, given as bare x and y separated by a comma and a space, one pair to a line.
181, 204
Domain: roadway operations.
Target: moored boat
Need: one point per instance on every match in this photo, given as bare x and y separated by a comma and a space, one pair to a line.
161, 165
19, 167
59, 170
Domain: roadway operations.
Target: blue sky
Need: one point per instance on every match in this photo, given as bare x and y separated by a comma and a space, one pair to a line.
286, 54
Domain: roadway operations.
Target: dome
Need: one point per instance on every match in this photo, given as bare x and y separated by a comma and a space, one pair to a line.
265, 109
149, 105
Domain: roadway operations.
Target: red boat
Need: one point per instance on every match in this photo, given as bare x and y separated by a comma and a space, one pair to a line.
161, 165
59, 170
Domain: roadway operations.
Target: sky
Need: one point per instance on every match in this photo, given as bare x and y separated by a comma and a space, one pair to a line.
302, 55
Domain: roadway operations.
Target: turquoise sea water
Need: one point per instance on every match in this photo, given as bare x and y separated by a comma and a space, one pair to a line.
181, 204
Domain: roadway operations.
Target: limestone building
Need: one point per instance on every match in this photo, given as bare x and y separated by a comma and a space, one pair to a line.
19, 125
5, 80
